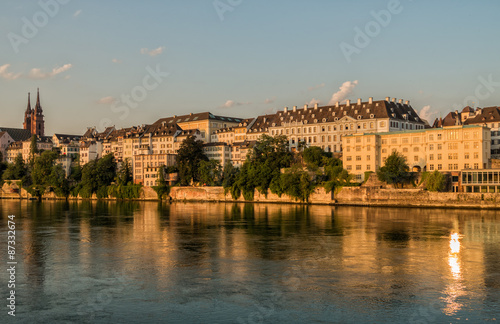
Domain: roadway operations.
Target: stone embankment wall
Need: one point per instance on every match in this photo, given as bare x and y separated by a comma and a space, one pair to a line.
319, 196
359, 196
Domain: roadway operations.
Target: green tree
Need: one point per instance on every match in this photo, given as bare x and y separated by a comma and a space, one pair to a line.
229, 175
161, 187
124, 176
17, 171
33, 149
188, 160
210, 172
436, 181
42, 167
395, 170
315, 157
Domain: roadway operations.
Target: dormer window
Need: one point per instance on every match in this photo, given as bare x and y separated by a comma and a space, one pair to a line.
372, 116
333, 114
359, 116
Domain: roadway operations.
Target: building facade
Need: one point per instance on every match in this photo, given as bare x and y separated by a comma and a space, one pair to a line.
450, 148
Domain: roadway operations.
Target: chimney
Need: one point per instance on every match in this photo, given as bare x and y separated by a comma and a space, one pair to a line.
175, 116
359, 101
305, 106
337, 104
316, 106
370, 100
264, 120
190, 114
407, 102
393, 99
348, 102
387, 98
400, 101
285, 110
294, 108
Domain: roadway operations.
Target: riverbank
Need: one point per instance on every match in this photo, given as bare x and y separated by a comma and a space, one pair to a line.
346, 196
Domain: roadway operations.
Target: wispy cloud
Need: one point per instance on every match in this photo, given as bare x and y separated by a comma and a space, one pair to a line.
153, 52
343, 92
319, 86
106, 100
8, 75
77, 13
37, 73
270, 100
117, 61
426, 113
232, 103
313, 102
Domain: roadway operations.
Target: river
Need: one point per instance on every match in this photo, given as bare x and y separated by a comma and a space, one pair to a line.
151, 262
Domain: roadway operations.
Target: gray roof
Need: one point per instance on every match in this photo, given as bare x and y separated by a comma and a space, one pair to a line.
17, 134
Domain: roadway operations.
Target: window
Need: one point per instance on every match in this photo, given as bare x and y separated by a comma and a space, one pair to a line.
394, 141
431, 157
358, 167
404, 140
452, 146
440, 147
367, 158
466, 156
476, 145
466, 166
405, 150
349, 168
415, 158
439, 137
476, 166
476, 155
348, 158
368, 167
431, 137
440, 156
466, 145
431, 147
384, 150
440, 167
358, 158
415, 149
431, 167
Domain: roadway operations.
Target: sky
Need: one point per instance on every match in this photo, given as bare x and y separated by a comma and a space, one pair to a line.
126, 63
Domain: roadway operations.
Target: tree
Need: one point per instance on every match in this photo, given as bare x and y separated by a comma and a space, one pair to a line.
315, 157
17, 171
42, 167
210, 172
33, 149
436, 181
395, 170
229, 175
188, 160
161, 187
124, 176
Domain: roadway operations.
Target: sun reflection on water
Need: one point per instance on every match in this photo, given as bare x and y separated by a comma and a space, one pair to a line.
455, 289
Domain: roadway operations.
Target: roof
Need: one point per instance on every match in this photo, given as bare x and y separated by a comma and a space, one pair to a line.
66, 136
414, 130
468, 117
17, 134
197, 116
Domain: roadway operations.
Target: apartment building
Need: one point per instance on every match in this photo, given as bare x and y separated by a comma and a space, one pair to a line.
489, 116
146, 167
450, 148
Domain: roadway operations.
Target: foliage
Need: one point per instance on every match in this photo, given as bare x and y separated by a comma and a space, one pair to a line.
188, 160
210, 173
124, 176
161, 187
336, 176
367, 175
130, 191
18, 171
33, 149
97, 175
395, 170
295, 183
263, 165
229, 175
315, 157
436, 181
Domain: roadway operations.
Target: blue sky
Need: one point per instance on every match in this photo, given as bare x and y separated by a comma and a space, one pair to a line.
86, 56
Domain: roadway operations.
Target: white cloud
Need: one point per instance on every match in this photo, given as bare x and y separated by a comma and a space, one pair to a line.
8, 75
77, 13
313, 102
343, 92
319, 86
116, 60
106, 100
153, 52
426, 114
269, 100
37, 73
232, 103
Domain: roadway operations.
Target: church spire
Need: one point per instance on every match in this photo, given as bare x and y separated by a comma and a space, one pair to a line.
28, 109
38, 107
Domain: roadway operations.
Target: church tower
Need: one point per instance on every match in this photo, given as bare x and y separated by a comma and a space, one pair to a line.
27, 116
37, 122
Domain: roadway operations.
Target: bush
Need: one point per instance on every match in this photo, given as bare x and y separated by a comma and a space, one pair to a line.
436, 181
124, 192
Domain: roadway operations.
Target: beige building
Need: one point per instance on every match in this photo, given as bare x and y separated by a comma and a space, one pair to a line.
444, 149
5, 141
147, 166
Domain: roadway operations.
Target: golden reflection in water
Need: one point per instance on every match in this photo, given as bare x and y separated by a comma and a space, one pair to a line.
455, 289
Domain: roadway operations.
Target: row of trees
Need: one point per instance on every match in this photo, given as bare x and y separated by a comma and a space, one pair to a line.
269, 165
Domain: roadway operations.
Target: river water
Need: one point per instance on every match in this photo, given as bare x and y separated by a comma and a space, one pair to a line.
150, 262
